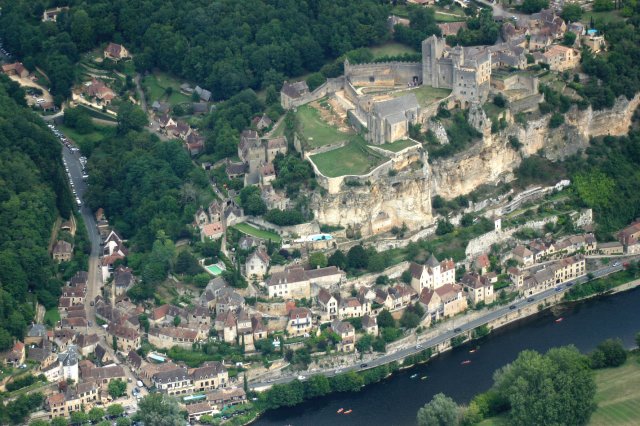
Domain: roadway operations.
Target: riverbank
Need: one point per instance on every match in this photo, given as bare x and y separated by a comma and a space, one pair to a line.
410, 361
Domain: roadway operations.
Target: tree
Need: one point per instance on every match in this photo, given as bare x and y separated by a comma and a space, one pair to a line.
364, 344
96, 414
317, 385
338, 259
534, 6
130, 117
444, 227
638, 339
186, 263
375, 262
159, 409
357, 257
441, 410
609, 353
569, 38
406, 277
252, 202
79, 417
555, 388
594, 188
315, 80
81, 29
385, 319
176, 320
117, 388
317, 260
114, 343
115, 410
123, 421
59, 421
409, 319
571, 12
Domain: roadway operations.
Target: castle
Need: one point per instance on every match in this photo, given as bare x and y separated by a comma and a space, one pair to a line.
465, 70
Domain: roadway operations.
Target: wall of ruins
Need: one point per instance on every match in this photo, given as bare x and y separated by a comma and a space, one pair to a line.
332, 85
383, 73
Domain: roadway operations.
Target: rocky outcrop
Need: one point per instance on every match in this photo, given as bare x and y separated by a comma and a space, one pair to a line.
492, 159
378, 205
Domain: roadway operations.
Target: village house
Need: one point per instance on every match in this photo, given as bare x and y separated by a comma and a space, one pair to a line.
36, 334
123, 280
353, 307
174, 382
522, 255
168, 337
612, 248
261, 122
212, 231
197, 410
540, 278
210, 376
347, 335
297, 283
227, 299
82, 396
630, 235
62, 251
559, 58
104, 375
226, 397
401, 296
300, 322
16, 69
370, 324
267, 174
443, 302
127, 339
15, 356
116, 52
257, 264
86, 343
51, 15
98, 90
328, 304
479, 288
482, 264
433, 274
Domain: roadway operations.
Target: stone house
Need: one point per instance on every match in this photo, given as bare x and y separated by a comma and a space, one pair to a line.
443, 302
347, 335
210, 376
401, 295
226, 397
16, 355
630, 235
300, 322
479, 288
16, 69
127, 338
174, 382
267, 174
522, 255
482, 264
116, 52
168, 337
296, 283
328, 303
261, 122
370, 324
560, 58
389, 120
611, 248
212, 231
433, 274
62, 251
197, 410
257, 264
292, 92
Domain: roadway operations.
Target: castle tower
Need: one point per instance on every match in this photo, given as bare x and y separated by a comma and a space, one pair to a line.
432, 49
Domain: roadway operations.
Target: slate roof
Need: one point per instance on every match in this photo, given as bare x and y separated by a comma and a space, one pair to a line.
396, 105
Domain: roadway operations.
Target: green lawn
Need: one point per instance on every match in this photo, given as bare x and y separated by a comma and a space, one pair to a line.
355, 158
52, 316
397, 146
493, 112
391, 49
156, 85
97, 135
258, 233
618, 395
315, 131
426, 94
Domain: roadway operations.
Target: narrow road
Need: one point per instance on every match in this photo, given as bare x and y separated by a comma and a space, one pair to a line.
94, 285
447, 333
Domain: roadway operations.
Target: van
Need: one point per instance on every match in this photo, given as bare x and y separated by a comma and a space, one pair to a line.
140, 384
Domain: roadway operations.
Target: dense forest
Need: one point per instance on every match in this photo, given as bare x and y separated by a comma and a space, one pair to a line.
33, 192
223, 45
145, 186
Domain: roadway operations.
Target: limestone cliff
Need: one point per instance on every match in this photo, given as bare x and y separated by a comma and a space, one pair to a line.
492, 159
378, 204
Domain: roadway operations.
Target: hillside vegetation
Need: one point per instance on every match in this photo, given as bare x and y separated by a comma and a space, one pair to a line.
32, 193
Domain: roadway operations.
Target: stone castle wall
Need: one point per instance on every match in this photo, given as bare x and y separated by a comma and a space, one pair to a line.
383, 73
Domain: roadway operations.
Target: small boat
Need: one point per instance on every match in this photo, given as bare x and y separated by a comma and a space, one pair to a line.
349, 411
413, 376
340, 410
465, 362
472, 351
423, 377
559, 319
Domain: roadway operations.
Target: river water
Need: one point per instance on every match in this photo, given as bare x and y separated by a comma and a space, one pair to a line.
396, 400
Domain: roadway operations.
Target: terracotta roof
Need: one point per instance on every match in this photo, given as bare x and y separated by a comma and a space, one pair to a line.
212, 229
482, 261
299, 313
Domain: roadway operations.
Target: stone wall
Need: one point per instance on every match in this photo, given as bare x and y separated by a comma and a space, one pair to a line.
392, 272
286, 231
382, 73
332, 85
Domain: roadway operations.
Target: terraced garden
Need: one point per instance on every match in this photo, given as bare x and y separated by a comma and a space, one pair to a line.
355, 158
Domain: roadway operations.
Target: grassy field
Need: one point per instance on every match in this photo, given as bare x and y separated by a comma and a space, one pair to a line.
258, 233
391, 49
618, 395
312, 126
397, 145
97, 135
355, 158
156, 85
426, 94
52, 316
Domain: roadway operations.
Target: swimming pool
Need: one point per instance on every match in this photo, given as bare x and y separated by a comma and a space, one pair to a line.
213, 269
320, 237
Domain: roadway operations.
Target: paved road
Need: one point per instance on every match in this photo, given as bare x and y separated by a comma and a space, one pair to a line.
95, 277
498, 10
449, 332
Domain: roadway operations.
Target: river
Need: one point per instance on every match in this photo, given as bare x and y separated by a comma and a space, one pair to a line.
396, 400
